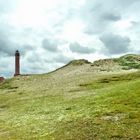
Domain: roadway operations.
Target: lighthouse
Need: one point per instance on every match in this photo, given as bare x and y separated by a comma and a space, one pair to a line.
17, 63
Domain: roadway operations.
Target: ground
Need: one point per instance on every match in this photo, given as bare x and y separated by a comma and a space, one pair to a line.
76, 102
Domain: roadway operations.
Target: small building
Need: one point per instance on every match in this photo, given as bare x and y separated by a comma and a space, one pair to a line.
1, 79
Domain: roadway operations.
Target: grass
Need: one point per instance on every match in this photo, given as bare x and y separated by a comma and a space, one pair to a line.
46, 107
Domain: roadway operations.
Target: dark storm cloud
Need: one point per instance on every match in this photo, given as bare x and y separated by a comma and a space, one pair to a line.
77, 48
101, 21
101, 15
8, 48
110, 16
50, 45
115, 44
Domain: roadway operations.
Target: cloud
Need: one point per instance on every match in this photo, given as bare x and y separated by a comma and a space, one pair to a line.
6, 46
7, 66
115, 44
110, 16
7, 6
50, 45
77, 48
62, 59
100, 15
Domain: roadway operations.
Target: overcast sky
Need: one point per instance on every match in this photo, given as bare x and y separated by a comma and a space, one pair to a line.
50, 33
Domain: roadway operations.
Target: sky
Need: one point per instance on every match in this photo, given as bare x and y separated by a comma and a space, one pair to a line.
50, 33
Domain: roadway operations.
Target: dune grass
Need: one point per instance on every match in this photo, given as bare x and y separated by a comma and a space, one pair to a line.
31, 109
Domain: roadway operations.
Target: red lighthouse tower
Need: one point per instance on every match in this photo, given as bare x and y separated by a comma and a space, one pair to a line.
17, 63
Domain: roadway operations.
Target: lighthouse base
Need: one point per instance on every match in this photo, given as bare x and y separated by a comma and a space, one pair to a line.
16, 75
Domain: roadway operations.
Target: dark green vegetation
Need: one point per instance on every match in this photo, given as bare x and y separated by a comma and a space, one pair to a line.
79, 62
130, 61
127, 62
72, 103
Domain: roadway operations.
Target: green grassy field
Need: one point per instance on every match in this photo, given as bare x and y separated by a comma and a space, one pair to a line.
66, 105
